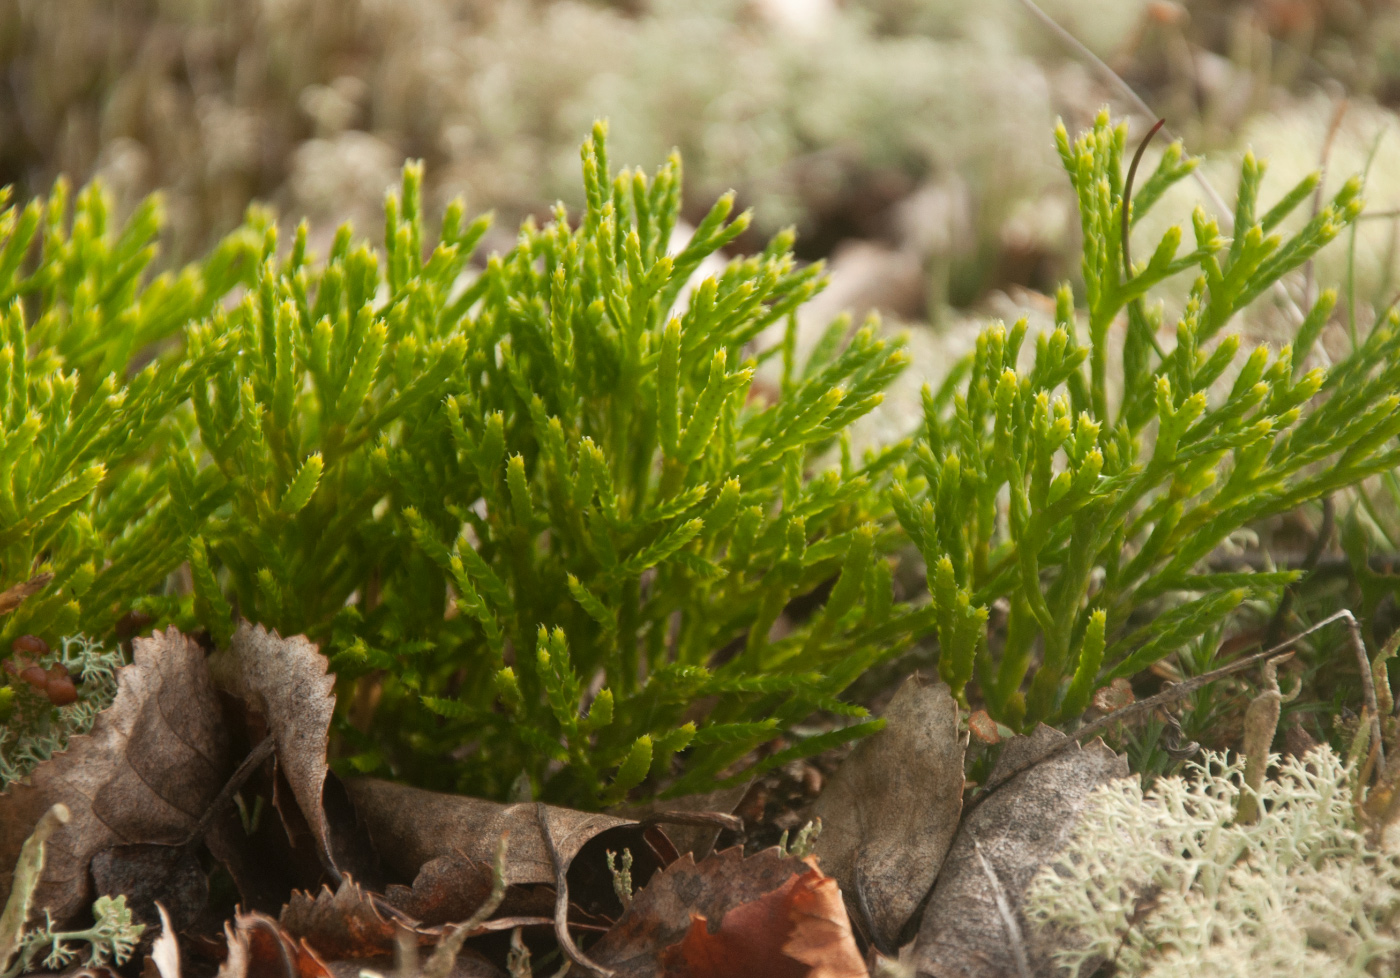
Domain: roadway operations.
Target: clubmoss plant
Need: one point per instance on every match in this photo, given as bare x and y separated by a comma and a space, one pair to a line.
551, 531
89, 398
539, 508
1085, 492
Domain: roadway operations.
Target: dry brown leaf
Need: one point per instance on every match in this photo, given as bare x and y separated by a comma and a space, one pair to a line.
448, 888
146, 772
286, 680
890, 812
14, 595
660, 913
799, 930
258, 947
821, 935
152, 876
411, 827
341, 924
1003, 842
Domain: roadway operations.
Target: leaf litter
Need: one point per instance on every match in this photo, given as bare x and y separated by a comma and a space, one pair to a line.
369, 876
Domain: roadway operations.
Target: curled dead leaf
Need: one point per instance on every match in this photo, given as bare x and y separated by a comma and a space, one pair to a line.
890, 812
146, 772
287, 681
412, 827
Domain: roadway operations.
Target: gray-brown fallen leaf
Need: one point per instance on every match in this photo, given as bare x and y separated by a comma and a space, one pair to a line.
412, 827
286, 680
146, 772
973, 926
660, 913
889, 813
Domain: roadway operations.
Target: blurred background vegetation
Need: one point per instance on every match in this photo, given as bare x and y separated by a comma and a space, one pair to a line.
910, 138
908, 141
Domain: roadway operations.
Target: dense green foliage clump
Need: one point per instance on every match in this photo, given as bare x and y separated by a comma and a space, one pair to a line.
549, 527
1087, 500
522, 507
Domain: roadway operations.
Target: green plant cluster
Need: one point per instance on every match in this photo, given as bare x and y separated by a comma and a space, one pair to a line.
552, 531
538, 507
86, 412
600, 499
1085, 501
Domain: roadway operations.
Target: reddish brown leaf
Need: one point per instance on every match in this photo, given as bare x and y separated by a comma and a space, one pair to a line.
1114, 696
660, 913
259, 948
448, 888
285, 680
799, 930
146, 772
13, 596
973, 926
821, 935
983, 727
890, 812
343, 924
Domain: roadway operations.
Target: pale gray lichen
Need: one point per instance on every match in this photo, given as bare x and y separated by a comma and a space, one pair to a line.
1169, 885
33, 729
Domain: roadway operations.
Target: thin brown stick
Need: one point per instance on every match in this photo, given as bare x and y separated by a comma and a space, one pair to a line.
1368, 688
240, 777
1128, 196
561, 901
1177, 691
708, 820
1226, 215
